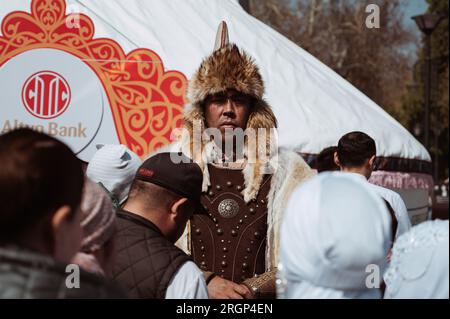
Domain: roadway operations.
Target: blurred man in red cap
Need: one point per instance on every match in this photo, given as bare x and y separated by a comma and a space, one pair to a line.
163, 196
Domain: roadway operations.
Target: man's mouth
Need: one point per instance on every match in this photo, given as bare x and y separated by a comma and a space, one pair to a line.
228, 125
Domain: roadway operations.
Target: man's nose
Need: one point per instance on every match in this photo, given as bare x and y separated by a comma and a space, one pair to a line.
228, 108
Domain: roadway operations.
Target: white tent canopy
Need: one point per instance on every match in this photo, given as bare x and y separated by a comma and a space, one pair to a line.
314, 105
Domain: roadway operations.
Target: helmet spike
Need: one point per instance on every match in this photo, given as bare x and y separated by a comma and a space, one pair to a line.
222, 36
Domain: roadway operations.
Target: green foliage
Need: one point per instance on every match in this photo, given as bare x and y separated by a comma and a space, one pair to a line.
413, 101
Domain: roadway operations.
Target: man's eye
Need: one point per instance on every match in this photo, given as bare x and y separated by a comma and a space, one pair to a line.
240, 101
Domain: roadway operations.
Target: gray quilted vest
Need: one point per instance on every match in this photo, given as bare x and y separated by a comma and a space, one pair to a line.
145, 261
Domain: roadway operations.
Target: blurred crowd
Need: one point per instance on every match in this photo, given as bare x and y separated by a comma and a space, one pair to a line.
118, 219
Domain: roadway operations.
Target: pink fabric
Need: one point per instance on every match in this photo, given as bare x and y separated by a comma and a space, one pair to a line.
403, 180
98, 217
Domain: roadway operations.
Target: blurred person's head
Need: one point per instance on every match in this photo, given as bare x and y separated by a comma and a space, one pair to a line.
356, 153
166, 193
333, 230
325, 160
41, 182
97, 221
114, 167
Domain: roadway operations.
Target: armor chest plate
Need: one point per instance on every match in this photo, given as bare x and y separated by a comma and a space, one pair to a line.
231, 242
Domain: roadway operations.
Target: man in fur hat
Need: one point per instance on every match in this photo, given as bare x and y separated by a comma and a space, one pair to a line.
244, 192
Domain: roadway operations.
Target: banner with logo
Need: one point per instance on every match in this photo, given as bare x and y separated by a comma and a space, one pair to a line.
56, 78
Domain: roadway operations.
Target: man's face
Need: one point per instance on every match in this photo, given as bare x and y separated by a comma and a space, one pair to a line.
227, 110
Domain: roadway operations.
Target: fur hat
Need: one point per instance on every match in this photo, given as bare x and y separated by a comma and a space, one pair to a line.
228, 67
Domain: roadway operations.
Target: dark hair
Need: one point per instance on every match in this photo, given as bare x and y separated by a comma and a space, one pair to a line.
38, 174
355, 148
152, 196
325, 160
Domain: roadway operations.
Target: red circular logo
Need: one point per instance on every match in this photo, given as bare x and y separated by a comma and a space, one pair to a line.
46, 94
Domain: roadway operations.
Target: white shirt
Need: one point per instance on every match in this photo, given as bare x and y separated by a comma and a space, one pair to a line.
419, 265
397, 204
304, 290
187, 283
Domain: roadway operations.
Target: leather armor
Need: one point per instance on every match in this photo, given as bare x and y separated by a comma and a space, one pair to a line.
231, 240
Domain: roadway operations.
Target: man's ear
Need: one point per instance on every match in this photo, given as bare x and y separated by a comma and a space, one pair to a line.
336, 159
372, 161
175, 209
67, 234
59, 218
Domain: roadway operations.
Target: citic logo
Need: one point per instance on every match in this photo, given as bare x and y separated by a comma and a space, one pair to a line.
46, 94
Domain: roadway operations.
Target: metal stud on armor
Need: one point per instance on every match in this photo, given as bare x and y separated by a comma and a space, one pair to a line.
228, 208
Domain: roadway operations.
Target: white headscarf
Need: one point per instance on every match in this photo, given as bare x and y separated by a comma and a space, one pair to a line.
419, 266
114, 166
334, 227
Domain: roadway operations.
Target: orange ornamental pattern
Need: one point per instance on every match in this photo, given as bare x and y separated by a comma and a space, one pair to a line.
146, 101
